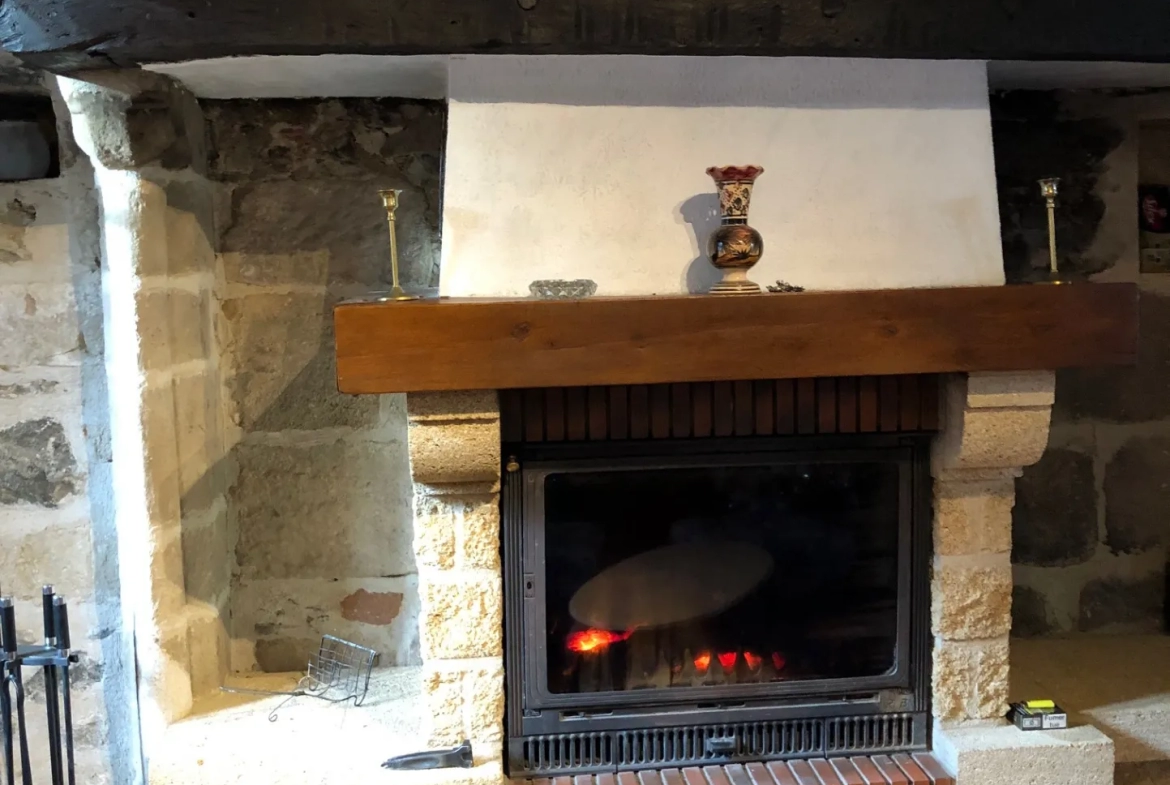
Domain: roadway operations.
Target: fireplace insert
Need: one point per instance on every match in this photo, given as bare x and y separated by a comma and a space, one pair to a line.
681, 602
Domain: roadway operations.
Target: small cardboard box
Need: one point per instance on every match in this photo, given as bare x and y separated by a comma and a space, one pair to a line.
1028, 716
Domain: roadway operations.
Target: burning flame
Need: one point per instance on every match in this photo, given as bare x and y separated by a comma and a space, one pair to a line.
754, 661
594, 641
727, 660
702, 662
778, 661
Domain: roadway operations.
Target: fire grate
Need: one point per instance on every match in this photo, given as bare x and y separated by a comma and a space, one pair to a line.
656, 748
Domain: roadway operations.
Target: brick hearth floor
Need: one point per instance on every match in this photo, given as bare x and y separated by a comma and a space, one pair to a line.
917, 769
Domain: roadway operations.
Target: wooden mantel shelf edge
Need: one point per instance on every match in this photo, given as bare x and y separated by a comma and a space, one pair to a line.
475, 344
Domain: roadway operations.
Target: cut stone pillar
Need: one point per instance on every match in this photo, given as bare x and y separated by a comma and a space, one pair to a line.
455, 466
144, 138
994, 424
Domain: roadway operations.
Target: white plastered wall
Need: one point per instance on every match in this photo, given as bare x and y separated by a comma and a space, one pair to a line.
879, 173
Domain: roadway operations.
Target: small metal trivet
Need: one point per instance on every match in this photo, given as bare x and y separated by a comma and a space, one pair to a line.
339, 671
783, 287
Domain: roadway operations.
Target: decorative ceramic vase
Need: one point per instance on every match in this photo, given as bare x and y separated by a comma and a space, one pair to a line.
735, 246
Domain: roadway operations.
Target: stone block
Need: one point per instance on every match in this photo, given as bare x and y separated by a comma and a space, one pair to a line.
970, 679
1135, 393
191, 225
39, 324
208, 641
1054, 523
57, 552
36, 464
161, 455
457, 531
453, 406
970, 601
1123, 604
286, 617
174, 327
1005, 754
168, 588
146, 215
972, 517
280, 232
483, 703
443, 691
1031, 616
137, 119
435, 521
208, 556
1003, 437
1010, 389
339, 508
199, 441
280, 347
455, 452
285, 654
478, 533
1137, 495
462, 614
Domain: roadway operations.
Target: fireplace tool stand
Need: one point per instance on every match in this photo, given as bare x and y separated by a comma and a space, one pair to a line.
55, 659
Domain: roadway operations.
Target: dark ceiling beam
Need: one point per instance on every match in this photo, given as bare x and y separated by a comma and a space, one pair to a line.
67, 35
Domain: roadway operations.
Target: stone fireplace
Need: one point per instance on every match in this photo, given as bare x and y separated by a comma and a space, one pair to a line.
992, 425
230, 445
578, 213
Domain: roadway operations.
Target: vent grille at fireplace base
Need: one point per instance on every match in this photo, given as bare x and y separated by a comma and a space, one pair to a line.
586, 753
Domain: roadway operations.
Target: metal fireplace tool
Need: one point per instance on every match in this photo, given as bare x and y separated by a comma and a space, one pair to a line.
339, 671
54, 657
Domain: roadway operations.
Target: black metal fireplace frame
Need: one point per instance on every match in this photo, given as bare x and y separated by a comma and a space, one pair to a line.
549, 733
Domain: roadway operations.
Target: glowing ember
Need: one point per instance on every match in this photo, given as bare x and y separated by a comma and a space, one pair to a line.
702, 662
778, 661
727, 660
592, 641
754, 661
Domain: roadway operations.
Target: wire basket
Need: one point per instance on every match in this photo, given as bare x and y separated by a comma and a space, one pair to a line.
340, 670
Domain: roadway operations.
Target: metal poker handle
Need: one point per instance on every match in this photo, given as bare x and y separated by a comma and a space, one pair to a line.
8, 626
47, 610
61, 627
61, 623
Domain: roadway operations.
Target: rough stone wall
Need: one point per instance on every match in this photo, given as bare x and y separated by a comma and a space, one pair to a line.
56, 519
321, 496
1090, 528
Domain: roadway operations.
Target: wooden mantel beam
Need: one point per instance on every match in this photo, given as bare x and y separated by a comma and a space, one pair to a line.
501, 344
67, 35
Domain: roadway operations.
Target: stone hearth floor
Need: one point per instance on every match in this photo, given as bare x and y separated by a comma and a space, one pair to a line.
229, 739
1120, 684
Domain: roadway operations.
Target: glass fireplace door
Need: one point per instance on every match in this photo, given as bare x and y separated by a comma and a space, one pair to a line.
707, 577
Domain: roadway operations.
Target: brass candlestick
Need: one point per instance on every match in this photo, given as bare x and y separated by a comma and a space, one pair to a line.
396, 293
1049, 189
